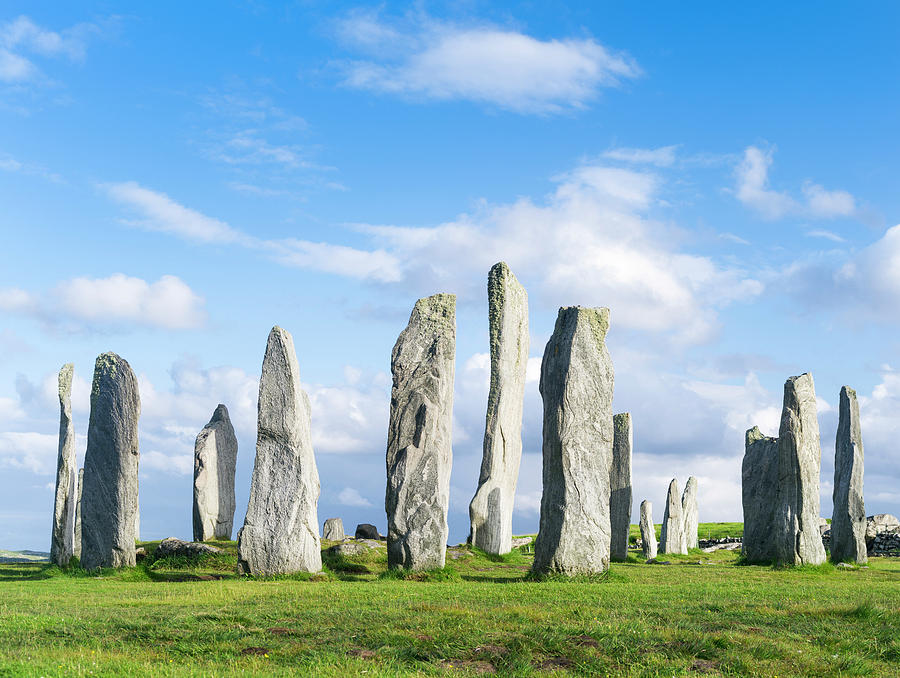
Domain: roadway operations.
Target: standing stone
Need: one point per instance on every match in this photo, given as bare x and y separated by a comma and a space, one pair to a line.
490, 512
848, 521
333, 529
620, 487
798, 540
62, 543
77, 545
759, 490
671, 539
281, 529
648, 532
419, 454
109, 500
577, 388
215, 458
690, 514
137, 513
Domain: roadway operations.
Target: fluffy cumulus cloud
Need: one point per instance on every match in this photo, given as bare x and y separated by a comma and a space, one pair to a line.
116, 301
500, 67
753, 189
22, 41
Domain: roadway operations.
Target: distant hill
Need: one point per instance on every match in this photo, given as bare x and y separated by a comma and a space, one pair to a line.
23, 556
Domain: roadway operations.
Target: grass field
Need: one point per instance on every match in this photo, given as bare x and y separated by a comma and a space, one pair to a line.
702, 614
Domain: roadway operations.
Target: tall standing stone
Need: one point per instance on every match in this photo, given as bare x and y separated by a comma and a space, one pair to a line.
109, 499
281, 529
419, 454
490, 511
215, 459
648, 532
759, 490
62, 543
333, 529
577, 388
848, 521
671, 538
80, 491
620, 487
798, 540
690, 514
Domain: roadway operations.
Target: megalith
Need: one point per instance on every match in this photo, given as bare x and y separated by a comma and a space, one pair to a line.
62, 542
620, 487
577, 389
281, 529
215, 459
333, 529
690, 514
759, 490
797, 535
419, 454
671, 538
79, 492
109, 497
848, 520
648, 532
490, 511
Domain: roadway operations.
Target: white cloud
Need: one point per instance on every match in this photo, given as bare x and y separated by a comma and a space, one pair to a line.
161, 213
486, 64
753, 190
175, 464
827, 235
21, 35
661, 157
350, 496
29, 450
167, 303
15, 299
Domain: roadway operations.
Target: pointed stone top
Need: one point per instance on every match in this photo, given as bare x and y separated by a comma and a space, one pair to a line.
500, 270
220, 414
848, 392
65, 380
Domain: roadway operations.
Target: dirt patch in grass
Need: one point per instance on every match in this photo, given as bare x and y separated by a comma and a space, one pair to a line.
475, 666
584, 641
555, 663
494, 650
705, 666
261, 651
282, 631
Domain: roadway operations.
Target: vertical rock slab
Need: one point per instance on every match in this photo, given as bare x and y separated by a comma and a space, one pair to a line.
281, 529
620, 487
759, 490
577, 388
690, 514
333, 529
848, 521
80, 491
798, 540
419, 453
648, 532
109, 499
62, 541
490, 511
215, 459
671, 538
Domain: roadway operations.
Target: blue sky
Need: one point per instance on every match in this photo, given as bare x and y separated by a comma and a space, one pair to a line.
176, 180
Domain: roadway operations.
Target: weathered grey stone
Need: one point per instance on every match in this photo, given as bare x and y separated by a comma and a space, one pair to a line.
759, 490
355, 548
490, 511
333, 529
671, 538
215, 459
80, 491
848, 520
62, 541
880, 523
648, 532
366, 531
690, 514
419, 453
797, 537
620, 487
281, 528
109, 498
137, 513
176, 547
577, 388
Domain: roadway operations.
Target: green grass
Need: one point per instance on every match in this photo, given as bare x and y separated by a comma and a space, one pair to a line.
700, 614
705, 530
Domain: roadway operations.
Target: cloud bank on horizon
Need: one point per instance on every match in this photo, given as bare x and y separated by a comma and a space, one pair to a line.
324, 186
